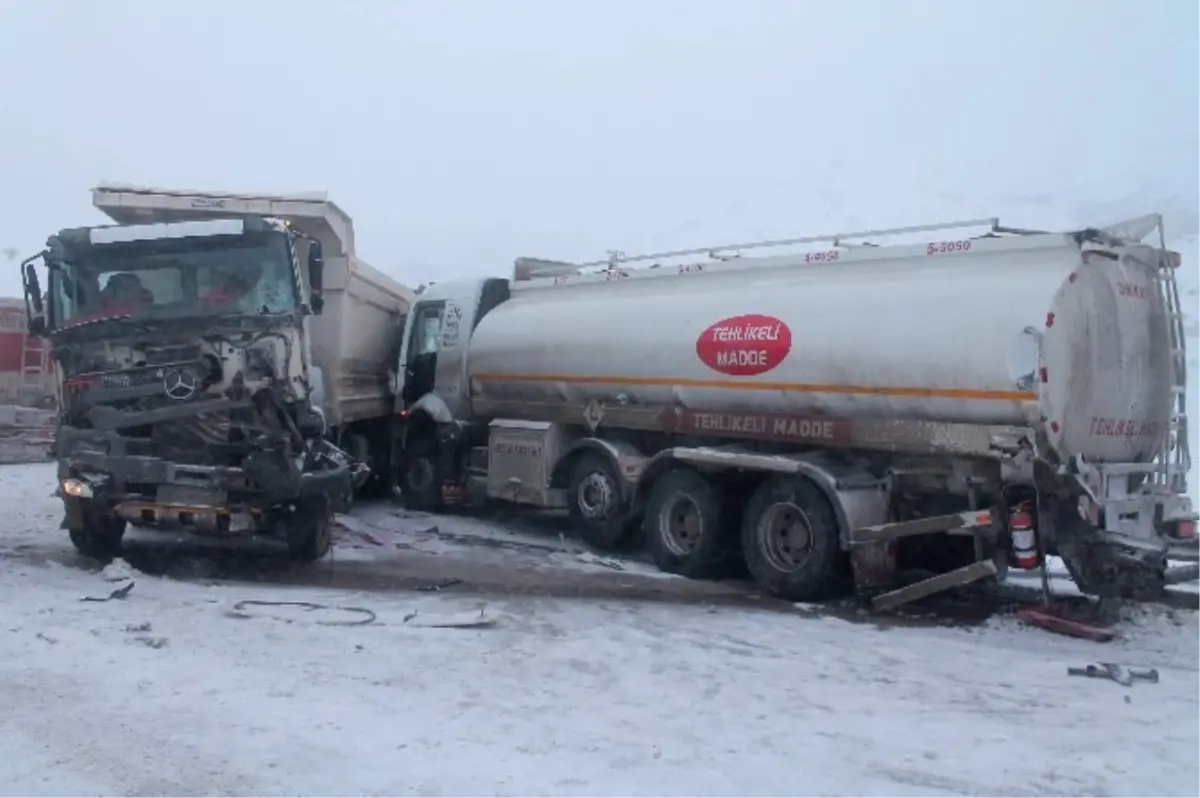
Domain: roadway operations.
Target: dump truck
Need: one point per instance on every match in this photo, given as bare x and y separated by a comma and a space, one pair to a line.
221, 365
953, 400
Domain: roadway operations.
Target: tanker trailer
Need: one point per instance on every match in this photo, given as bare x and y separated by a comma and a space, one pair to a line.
966, 403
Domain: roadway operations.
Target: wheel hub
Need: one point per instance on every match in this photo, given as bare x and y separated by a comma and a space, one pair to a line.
680, 524
787, 536
595, 496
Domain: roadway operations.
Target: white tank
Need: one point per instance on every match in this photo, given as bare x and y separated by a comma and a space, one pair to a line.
998, 330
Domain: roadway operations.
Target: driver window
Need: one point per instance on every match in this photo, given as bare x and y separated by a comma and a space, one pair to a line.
429, 331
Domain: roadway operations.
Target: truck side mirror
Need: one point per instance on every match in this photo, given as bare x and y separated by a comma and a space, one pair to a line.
316, 275
35, 309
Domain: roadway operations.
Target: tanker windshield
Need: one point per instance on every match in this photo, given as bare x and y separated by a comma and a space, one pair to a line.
175, 278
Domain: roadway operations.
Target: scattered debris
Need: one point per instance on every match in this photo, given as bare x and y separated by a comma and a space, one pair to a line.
152, 642
368, 616
403, 513
442, 585
118, 593
469, 618
1118, 673
1064, 622
606, 562
369, 538
117, 571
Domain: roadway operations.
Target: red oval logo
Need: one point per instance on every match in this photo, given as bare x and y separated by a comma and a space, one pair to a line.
743, 346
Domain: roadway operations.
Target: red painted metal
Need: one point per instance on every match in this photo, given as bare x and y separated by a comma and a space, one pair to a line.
1064, 623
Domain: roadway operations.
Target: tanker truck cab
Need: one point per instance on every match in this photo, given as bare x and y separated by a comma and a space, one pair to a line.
838, 410
432, 392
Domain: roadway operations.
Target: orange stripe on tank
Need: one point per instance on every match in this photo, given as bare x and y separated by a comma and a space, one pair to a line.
977, 394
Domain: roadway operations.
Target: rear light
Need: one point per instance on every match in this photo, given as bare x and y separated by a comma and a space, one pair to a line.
1185, 530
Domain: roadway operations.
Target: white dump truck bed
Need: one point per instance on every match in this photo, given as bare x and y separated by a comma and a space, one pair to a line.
351, 339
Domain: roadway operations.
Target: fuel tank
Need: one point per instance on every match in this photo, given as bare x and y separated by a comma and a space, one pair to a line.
1050, 331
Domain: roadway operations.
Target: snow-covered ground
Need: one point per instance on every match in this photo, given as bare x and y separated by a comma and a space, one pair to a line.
175, 690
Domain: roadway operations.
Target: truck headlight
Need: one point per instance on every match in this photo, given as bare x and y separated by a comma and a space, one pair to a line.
76, 489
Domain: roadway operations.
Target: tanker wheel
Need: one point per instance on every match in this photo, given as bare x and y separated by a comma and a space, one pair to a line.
790, 539
421, 476
595, 502
686, 525
94, 534
309, 530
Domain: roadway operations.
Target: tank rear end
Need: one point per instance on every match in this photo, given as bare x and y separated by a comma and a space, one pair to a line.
1105, 380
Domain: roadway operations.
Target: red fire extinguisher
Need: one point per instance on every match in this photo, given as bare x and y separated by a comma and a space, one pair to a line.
1024, 540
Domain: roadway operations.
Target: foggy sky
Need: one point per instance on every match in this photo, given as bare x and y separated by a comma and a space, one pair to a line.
460, 134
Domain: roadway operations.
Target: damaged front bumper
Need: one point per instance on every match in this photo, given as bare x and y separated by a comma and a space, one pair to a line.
99, 467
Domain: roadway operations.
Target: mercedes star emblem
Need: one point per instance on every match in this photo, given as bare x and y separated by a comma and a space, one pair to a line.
181, 384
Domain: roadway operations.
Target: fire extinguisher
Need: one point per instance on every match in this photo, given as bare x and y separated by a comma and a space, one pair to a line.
1024, 540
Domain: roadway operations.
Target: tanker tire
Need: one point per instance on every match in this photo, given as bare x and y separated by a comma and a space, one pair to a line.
593, 474
310, 530
421, 477
97, 536
686, 524
797, 504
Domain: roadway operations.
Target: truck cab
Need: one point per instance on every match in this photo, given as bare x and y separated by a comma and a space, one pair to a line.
433, 380
187, 350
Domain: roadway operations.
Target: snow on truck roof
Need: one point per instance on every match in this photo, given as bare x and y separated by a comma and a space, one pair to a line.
296, 196
310, 212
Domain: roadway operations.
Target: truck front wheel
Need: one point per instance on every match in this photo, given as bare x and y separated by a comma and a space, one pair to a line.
93, 533
790, 539
310, 530
595, 502
421, 476
685, 525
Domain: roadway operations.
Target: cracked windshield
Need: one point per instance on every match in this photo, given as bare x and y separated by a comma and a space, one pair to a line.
176, 278
632, 398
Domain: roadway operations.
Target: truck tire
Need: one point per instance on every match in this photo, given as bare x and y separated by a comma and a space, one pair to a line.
97, 536
421, 476
310, 530
595, 501
685, 525
790, 539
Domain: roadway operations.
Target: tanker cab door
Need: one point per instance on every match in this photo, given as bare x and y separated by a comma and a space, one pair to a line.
421, 351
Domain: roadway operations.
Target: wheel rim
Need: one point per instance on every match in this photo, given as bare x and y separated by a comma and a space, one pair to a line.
680, 525
595, 496
785, 536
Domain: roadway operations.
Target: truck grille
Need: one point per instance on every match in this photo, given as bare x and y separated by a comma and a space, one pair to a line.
174, 353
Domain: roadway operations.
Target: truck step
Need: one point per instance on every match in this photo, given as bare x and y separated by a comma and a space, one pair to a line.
956, 578
954, 523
